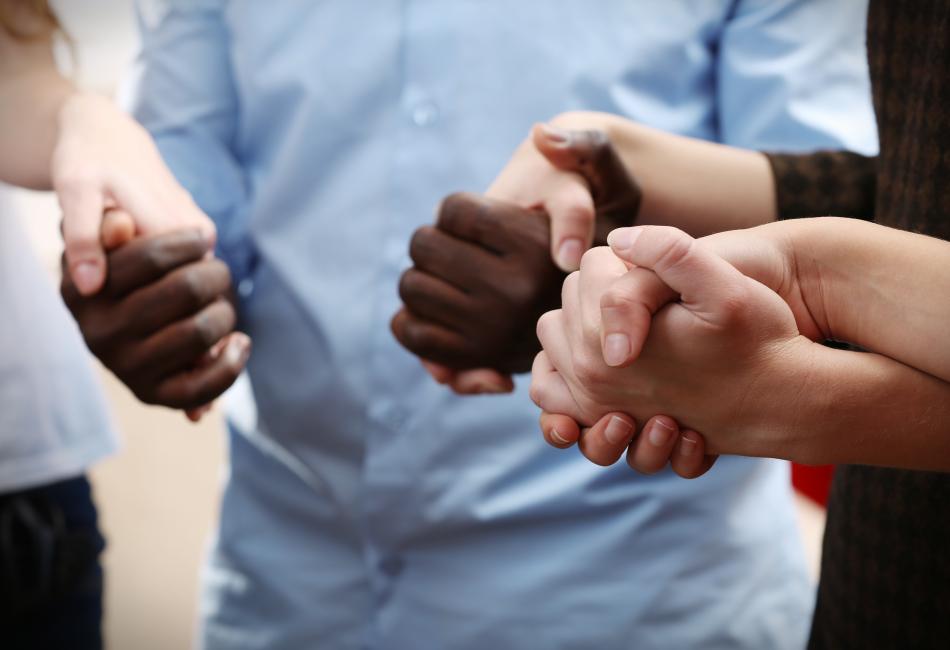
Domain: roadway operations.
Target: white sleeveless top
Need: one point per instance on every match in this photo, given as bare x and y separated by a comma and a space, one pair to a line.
53, 418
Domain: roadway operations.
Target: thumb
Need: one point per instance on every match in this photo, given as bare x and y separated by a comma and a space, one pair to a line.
82, 206
706, 284
591, 155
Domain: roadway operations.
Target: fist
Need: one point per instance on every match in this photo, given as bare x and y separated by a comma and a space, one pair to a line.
481, 278
162, 322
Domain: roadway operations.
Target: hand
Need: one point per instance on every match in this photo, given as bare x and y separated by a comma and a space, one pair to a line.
162, 322
103, 159
579, 181
713, 360
481, 279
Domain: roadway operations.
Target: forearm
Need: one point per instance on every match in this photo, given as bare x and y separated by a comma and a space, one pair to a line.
880, 288
32, 92
700, 187
859, 408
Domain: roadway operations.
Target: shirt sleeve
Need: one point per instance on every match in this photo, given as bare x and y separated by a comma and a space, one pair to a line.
792, 75
824, 183
183, 92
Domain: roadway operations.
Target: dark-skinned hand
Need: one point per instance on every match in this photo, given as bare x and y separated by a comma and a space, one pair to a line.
163, 322
484, 274
482, 277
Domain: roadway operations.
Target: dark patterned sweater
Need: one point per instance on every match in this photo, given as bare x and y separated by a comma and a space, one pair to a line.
885, 575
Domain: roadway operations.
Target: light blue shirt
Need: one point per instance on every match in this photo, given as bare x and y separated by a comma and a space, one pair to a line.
320, 135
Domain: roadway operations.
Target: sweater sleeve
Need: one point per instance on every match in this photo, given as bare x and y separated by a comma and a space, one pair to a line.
824, 183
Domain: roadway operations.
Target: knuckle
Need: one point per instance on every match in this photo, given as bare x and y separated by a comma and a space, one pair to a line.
735, 305
545, 323
77, 178
453, 204
204, 330
587, 370
677, 248
620, 299
421, 245
536, 392
410, 286
415, 337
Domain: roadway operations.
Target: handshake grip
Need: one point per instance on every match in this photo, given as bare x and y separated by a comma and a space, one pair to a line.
483, 274
163, 322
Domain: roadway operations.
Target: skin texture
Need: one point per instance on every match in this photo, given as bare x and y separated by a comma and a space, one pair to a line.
470, 318
162, 322
727, 354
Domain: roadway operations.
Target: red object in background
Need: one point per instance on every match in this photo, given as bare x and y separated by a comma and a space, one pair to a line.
814, 481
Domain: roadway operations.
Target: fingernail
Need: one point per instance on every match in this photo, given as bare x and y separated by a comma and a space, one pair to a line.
621, 240
688, 446
660, 433
87, 276
557, 136
618, 431
237, 351
569, 254
558, 438
616, 349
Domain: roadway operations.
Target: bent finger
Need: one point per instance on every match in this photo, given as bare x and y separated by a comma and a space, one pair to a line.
689, 459
627, 308
651, 451
559, 430
195, 388
605, 442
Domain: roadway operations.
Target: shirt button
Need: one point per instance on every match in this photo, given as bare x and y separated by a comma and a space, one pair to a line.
392, 565
425, 114
245, 287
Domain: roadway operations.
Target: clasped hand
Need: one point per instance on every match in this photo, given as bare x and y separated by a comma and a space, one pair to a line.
661, 323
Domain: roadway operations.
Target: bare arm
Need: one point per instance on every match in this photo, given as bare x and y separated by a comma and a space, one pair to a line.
32, 92
883, 289
698, 186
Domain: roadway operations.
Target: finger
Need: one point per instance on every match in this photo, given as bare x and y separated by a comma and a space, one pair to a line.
548, 389
651, 450
606, 441
434, 342
146, 259
704, 281
600, 268
479, 220
591, 155
183, 344
441, 374
559, 430
195, 388
626, 312
689, 458
571, 211
82, 204
118, 228
179, 294
195, 415
434, 299
482, 381
456, 261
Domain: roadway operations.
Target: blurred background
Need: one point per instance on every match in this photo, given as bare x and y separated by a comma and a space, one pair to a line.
158, 497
